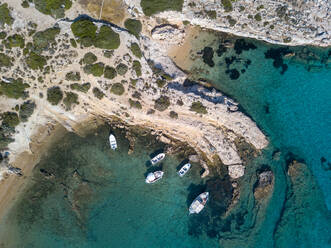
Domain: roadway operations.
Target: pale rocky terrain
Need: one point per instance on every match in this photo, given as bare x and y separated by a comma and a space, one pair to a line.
210, 134
290, 22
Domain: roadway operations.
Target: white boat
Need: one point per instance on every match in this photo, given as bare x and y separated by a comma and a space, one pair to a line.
112, 142
184, 169
154, 176
199, 203
157, 158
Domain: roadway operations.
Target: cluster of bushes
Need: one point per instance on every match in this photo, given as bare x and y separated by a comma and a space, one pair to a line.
70, 99
136, 66
73, 76
5, 61
96, 69
151, 7
26, 110
43, 39
121, 69
54, 95
227, 5
80, 87
98, 93
134, 26
173, 114
86, 32
135, 104
14, 89
54, 8
135, 49
5, 17
117, 89
162, 103
198, 108
89, 58
110, 72
35, 61
15, 40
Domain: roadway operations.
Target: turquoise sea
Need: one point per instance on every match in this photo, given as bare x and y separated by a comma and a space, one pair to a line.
82, 194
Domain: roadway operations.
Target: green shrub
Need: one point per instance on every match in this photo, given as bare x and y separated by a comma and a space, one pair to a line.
26, 110
287, 40
98, 93
121, 69
117, 89
3, 35
173, 115
85, 30
162, 103
15, 40
107, 38
25, 4
35, 61
231, 21
227, 5
53, 7
54, 95
135, 49
89, 58
14, 89
70, 99
151, 7
198, 107
161, 82
95, 69
10, 119
136, 66
5, 141
134, 26
80, 87
258, 17
73, 43
42, 39
135, 104
211, 14
5, 61
73, 76
110, 72
5, 17
185, 22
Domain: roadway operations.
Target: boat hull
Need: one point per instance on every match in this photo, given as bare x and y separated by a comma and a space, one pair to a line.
199, 203
154, 177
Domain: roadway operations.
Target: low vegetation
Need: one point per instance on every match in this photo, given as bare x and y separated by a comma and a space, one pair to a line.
151, 7
211, 14
54, 95
89, 58
136, 66
258, 17
10, 119
95, 69
15, 40
14, 89
110, 72
135, 49
54, 8
43, 39
70, 99
98, 93
107, 38
117, 89
5, 17
134, 26
81, 87
198, 108
5, 61
121, 69
161, 82
135, 104
35, 61
162, 103
26, 110
173, 114
227, 5
73, 76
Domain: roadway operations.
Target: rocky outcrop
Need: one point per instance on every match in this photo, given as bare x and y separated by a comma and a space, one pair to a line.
264, 184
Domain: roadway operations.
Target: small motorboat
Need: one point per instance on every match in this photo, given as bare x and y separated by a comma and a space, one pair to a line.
199, 203
157, 158
184, 169
154, 176
112, 142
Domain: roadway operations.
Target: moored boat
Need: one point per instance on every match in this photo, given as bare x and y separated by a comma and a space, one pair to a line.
199, 203
184, 169
112, 142
157, 158
154, 176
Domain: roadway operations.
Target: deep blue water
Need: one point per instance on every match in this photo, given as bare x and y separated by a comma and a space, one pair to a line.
82, 194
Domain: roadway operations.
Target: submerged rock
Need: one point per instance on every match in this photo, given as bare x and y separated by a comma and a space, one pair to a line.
264, 184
